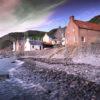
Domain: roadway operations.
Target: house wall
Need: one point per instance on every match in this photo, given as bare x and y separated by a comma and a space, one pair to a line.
72, 33
90, 36
92, 41
17, 47
59, 34
27, 46
36, 47
81, 40
46, 39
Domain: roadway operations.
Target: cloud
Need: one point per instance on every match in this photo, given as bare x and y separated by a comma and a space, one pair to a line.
20, 15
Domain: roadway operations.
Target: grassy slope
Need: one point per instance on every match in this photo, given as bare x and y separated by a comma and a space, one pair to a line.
96, 19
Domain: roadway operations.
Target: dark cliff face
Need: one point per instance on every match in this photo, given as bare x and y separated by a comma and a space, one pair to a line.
96, 19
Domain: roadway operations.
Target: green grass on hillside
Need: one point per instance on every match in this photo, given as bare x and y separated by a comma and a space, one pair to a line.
95, 20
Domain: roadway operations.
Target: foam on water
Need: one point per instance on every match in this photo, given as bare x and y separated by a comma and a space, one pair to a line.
24, 84
27, 85
19, 63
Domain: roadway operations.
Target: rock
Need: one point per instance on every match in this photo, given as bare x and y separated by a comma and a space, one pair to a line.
60, 84
4, 76
13, 62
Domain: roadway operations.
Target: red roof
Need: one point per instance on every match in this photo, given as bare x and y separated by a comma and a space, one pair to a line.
87, 25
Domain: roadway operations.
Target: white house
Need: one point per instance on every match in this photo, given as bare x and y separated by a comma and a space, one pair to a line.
33, 45
36, 45
27, 45
63, 41
47, 39
14, 46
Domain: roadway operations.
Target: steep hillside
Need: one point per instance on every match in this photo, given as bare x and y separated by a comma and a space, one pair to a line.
96, 19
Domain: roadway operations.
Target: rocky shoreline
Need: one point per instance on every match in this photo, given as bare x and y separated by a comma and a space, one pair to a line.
87, 71
60, 79
4, 77
57, 84
6, 54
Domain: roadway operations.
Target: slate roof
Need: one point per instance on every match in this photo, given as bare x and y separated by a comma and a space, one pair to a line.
36, 42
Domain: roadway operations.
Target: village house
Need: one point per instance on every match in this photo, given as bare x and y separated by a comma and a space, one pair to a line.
18, 45
36, 45
47, 39
81, 33
31, 45
27, 45
60, 36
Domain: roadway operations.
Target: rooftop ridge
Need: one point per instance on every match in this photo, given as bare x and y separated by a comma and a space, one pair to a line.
87, 25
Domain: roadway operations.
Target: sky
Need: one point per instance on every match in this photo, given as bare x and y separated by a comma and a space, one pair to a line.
43, 15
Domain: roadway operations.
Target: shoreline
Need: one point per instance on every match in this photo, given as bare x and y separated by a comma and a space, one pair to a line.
6, 64
57, 82
86, 71
59, 78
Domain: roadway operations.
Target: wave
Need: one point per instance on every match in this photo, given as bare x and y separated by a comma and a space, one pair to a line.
24, 85
19, 62
28, 85
20, 82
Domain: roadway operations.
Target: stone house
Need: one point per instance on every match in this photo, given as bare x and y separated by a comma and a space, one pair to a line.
60, 36
18, 45
82, 34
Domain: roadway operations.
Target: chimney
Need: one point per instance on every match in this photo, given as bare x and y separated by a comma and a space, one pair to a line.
71, 18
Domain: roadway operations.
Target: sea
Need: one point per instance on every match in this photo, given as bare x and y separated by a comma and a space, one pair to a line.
28, 82
15, 88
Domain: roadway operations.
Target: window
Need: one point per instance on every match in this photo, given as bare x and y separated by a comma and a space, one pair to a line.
83, 39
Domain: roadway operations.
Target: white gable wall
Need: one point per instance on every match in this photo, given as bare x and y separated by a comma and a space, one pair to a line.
47, 39
27, 46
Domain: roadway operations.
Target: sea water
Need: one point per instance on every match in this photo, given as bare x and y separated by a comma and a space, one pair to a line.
15, 88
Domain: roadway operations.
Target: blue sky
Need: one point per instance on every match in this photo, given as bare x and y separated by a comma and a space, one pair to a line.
43, 15
81, 9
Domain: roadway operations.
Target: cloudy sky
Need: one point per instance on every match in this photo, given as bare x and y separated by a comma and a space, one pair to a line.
22, 15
